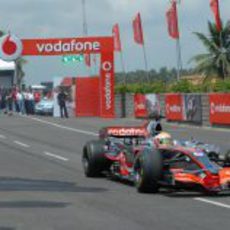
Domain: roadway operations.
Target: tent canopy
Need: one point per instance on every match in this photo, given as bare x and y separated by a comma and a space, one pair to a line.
7, 65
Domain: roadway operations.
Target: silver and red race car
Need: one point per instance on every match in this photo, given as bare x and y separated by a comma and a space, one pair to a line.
151, 160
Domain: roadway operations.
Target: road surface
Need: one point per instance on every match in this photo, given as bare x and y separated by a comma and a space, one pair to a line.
42, 186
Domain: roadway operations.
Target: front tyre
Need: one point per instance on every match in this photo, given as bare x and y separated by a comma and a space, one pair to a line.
148, 170
93, 158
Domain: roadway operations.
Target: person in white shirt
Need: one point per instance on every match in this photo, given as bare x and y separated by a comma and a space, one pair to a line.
20, 102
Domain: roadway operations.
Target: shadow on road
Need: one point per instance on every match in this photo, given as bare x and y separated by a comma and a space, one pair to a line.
22, 184
6, 228
192, 194
32, 204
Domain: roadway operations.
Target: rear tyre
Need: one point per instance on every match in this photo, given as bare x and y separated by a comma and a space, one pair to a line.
148, 170
93, 158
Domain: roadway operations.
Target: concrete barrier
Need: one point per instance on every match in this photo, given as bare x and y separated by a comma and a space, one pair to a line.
124, 107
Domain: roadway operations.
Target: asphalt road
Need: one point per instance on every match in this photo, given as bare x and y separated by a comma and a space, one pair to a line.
42, 186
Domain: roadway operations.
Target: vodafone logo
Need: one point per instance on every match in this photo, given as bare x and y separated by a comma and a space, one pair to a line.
221, 108
70, 46
127, 131
10, 47
173, 108
107, 66
140, 106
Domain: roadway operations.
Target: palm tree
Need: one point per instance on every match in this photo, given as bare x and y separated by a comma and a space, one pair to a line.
19, 63
216, 62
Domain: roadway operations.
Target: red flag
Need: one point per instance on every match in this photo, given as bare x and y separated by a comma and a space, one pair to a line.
137, 30
214, 4
172, 20
87, 60
117, 40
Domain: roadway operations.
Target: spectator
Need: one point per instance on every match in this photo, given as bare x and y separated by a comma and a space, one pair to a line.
14, 91
26, 101
37, 96
9, 101
31, 102
20, 102
62, 97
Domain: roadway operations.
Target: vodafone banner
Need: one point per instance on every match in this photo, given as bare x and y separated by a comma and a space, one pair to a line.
146, 105
140, 106
107, 85
174, 107
61, 46
219, 108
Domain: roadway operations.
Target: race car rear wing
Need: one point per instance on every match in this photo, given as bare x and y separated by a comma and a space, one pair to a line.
123, 132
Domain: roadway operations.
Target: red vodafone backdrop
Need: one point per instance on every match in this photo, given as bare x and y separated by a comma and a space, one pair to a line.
87, 97
219, 108
174, 107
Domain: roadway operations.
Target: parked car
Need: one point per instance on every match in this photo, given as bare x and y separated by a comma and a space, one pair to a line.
45, 107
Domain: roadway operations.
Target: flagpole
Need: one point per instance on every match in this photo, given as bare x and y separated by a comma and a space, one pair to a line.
85, 30
123, 67
178, 48
146, 62
221, 41
179, 59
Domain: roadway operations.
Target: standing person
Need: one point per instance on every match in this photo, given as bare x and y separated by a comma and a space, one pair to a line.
9, 99
1, 96
4, 100
15, 106
26, 101
37, 96
31, 102
20, 102
62, 97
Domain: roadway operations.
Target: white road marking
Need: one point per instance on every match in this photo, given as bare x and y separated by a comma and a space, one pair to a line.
21, 144
65, 127
2, 136
56, 156
213, 202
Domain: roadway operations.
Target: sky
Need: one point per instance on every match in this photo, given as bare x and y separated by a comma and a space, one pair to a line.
63, 18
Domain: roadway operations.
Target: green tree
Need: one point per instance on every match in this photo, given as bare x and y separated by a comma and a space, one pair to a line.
216, 62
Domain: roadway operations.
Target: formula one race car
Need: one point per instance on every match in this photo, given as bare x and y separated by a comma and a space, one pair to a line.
130, 153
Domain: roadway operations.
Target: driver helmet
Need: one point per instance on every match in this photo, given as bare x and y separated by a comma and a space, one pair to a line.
164, 139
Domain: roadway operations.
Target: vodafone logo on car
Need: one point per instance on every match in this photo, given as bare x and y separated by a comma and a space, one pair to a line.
10, 47
127, 131
219, 108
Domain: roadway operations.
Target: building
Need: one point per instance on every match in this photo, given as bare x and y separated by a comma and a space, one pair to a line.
7, 74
